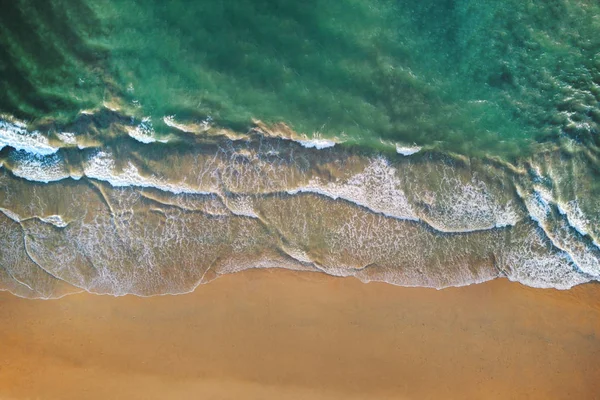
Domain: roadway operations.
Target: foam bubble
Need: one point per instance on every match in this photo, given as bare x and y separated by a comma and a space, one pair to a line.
240, 205
537, 205
55, 220
377, 188
530, 261
143, 132
561, 233
67, 137
169, 120
577, 219
11, 214
317, 143
461, 205
101, 166
18, 137
38, 168
407, 150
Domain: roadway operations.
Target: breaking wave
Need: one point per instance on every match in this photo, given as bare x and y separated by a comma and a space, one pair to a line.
158, 218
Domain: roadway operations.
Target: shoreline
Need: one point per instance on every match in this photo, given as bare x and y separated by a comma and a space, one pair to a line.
437, 221
199, 286
284, 334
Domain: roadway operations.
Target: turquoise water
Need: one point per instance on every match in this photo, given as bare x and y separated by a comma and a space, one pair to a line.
473, 125
467, 76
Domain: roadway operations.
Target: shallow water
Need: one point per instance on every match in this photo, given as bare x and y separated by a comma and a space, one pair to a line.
149, 148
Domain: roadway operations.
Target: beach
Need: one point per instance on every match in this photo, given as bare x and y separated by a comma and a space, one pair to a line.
273, 334
273, 199
147, 148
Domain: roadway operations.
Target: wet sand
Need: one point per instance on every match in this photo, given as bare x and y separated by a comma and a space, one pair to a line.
277, 334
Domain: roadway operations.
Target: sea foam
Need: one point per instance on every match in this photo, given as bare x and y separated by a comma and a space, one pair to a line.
377, 188
39, 168
101, 166
317, 143
407, 150
143, 132
16, 135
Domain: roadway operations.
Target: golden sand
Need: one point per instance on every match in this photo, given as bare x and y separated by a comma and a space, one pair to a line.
276, 334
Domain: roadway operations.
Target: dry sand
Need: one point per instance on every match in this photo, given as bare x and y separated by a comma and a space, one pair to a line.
286, 335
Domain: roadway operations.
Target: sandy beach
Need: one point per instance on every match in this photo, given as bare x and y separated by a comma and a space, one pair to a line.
277, 334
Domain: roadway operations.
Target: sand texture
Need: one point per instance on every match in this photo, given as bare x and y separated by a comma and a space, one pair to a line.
277, 334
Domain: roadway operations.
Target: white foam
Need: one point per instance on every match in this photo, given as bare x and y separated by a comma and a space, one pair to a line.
67, 137
144, 132
101, 166
575, 216
537, 205
529, 262
317, 143
37, 168
407, 150
111, 107
377, 188
297, 254
169, 120
465, 208
15, 135
11, 214
544, 272
240, 205
55, 220
456, 205
584, 257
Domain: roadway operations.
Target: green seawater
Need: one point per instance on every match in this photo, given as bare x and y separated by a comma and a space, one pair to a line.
473, 77
148, 147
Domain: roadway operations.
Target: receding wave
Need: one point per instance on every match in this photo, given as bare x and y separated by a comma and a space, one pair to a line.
16, 136
164, 216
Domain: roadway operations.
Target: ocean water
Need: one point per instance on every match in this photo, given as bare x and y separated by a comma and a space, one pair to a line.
149, 147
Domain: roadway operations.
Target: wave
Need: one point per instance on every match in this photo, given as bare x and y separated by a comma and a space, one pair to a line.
144, 132
68, 138
407, 150
317, 143
16, 135
154, 219
378, 187
203, 126
38, 168
101, 166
